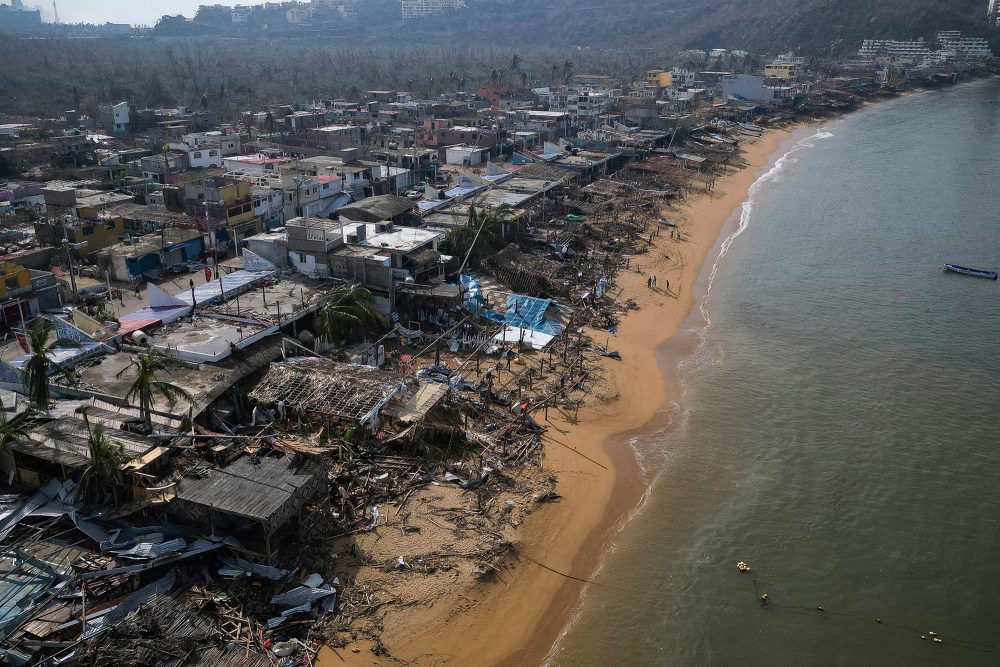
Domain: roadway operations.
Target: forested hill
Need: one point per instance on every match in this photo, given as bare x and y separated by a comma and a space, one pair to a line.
816, 27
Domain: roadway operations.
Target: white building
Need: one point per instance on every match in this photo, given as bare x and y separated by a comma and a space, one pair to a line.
884, 51
681, 78
466, 155
115, 117
414, 9
580, 102
957, 47
993, 13
746, 87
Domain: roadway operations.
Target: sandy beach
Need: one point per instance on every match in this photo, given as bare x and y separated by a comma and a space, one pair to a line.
517, 619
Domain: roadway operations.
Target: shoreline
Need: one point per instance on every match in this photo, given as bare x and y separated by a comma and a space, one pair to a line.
601, 489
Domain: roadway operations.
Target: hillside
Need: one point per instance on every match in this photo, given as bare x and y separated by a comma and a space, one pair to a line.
815, 26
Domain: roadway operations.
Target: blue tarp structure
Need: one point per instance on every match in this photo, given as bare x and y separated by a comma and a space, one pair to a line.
472, 292
526, 312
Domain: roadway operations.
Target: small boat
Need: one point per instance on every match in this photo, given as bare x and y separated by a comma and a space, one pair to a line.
668, 223
979, 273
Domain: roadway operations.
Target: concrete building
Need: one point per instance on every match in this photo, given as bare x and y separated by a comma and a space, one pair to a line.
415, 9
228, 200
889, 51
115, 117
657, 78
580, 102
780, 71
151, 255
16, 19
310, 242
955, 46
746, 87
334, 137
466, 155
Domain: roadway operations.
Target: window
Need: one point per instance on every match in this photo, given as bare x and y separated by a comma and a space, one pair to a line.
213, 153
88, 230
314, 234
12, 283
197, 155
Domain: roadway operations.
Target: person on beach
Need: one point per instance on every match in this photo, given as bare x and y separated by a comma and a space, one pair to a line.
138, 294
668, 283
510, 357
649, 282
654, 282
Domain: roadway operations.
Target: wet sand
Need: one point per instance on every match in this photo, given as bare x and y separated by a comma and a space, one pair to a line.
517, 619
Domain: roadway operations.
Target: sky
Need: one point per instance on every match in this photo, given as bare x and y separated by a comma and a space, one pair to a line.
122, 11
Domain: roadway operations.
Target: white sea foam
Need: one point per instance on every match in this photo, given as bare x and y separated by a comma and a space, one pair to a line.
747, 207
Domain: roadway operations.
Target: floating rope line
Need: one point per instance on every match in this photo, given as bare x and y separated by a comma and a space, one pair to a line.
764, 599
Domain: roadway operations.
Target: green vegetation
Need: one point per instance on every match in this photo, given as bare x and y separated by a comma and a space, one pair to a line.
350, 309
39, 366
144, 368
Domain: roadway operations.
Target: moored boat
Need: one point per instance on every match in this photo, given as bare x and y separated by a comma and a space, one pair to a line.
969, 271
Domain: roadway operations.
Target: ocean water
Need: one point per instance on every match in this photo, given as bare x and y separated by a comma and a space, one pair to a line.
839, 421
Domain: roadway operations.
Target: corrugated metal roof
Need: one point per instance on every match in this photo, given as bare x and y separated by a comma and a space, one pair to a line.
247, 489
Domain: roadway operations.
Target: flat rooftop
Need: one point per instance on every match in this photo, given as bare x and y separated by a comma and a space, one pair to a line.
402, 240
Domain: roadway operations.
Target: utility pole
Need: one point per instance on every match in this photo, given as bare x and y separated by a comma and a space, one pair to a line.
69, 259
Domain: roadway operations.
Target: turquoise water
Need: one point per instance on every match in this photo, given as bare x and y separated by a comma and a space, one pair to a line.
840, 420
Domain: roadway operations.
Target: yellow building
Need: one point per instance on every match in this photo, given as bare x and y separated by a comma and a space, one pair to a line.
786, 72
657, 78
98, 234
14, 280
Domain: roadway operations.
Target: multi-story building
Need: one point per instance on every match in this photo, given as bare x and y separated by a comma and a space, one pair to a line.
16, 302
658, 78
955, 46
890, 51
227, 200
115, 117
682, 78
580, 102
415, 9
780, 71
993, 13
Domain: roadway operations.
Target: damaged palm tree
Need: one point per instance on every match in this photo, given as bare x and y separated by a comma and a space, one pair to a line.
482, 236
350, 309
144, 367
39, 365
10, 432
106, 457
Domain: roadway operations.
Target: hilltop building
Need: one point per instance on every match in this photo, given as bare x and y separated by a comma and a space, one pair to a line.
415, 9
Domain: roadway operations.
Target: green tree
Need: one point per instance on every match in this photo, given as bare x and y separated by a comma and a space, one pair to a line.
144, 367
482, 236
9, 431
106, 458
350, 308
39, 365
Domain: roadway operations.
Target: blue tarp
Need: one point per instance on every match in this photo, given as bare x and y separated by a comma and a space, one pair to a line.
526, 312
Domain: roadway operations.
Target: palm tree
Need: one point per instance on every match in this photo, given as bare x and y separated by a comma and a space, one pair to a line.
9, 432
481, 237
495, 77
350, 308
144, 368
569, 69
106, 456
38, 367
515, 64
